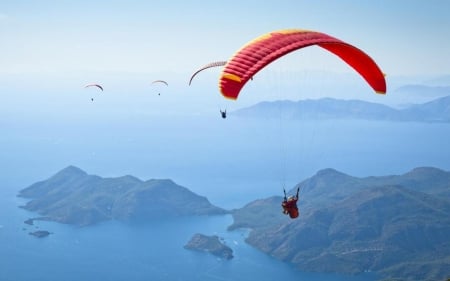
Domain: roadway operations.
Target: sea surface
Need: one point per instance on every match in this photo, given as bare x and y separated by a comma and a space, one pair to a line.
118, 251
231, 162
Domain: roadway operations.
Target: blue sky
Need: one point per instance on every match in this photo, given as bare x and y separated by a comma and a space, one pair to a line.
404, 37
50, 49
53, 45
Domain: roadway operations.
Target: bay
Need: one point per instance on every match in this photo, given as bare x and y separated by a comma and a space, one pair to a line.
120, 251
231, 162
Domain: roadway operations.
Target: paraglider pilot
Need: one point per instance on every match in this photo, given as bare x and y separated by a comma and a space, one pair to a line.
223, 113
290, 205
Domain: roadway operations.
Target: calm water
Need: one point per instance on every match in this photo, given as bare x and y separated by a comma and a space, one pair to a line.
116, 251
231, 161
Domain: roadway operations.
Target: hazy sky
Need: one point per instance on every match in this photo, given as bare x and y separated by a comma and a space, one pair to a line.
54, 47
50, 49
403, 36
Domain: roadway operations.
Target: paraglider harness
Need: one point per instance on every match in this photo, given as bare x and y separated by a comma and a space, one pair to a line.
223, 113
290, 205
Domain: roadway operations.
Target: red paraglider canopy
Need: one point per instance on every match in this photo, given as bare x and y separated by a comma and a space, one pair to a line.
263, 50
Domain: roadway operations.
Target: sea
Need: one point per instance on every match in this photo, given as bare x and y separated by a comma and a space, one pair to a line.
118, 251
232, 162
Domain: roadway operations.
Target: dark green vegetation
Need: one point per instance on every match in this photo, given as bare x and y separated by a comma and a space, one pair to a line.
397, 226
210, 244
74, 197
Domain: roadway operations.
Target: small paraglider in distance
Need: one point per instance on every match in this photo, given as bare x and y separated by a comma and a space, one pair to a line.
289, 205
160, 81
223, 113
94, 85
209, 65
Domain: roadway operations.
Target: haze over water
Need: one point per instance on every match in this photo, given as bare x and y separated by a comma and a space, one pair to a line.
230, 161
52, 50
117, 251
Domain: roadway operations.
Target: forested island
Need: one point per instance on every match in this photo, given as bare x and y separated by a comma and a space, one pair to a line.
396, 226
72, 196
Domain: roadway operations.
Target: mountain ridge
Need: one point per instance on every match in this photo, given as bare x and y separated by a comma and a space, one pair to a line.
437, 110
394, 225
72, 196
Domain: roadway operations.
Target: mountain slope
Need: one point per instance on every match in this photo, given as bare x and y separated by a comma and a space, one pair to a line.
328, 185
375, 229
437, 110
395, 225
74, 197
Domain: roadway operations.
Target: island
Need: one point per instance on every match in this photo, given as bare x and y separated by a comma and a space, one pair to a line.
40, 233
72, 196
30, 221
396, 226
210, 244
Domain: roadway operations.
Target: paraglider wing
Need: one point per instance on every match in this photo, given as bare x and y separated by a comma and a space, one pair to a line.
94, 85
209, 65
160, 81
263, 50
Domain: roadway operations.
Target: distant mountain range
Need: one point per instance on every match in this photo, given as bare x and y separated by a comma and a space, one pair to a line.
72, 196
397, 226
418, 90
409, 94
437, 110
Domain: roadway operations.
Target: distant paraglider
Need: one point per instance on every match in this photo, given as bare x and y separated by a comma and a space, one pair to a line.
94, 85
162, 82
263, 50
223, 113
209, 65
